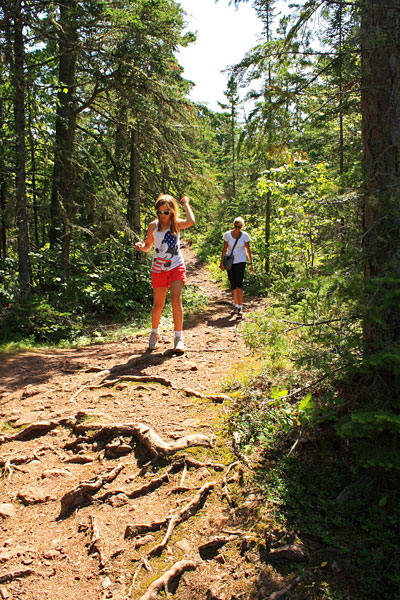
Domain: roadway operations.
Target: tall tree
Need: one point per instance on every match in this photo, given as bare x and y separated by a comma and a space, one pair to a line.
62, 197
381, 225
20, 153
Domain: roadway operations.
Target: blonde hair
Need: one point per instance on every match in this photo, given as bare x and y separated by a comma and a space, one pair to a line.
173, 207
238, 220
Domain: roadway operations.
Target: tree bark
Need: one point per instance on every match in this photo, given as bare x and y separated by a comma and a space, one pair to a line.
3, 225
133, 211
20, 154
381, 210
63, 190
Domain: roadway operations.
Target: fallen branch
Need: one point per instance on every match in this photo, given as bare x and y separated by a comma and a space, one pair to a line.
84, 491
161, 584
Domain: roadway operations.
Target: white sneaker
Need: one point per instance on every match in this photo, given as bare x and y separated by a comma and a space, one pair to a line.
179, 346
153, 340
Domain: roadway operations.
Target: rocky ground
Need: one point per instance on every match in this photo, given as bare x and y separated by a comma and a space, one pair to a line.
119, 477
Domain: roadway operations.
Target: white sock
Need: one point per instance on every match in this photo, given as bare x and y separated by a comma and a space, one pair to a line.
178, 334
154, 330
239, 306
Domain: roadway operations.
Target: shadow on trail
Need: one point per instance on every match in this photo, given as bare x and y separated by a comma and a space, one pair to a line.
136, 365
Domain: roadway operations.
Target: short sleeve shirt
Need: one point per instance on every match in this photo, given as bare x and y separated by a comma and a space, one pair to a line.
239, 253
167, 253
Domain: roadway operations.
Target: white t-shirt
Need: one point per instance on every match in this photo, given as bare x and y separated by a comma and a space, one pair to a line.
239, 253
167, 253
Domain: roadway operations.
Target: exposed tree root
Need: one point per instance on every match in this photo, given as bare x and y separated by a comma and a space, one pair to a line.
146, 436
192, 462
39, 428
15, 575
147, 488
236, 449
161, 584
84, 491
288, 588
171, 522
95, 543
225, 490
150, 379
187, 511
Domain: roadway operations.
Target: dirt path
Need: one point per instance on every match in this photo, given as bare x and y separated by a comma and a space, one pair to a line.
115, 473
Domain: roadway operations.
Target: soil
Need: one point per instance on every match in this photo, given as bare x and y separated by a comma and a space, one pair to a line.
83, 511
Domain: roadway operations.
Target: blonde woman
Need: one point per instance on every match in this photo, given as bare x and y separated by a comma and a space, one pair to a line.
168, 267
237, 241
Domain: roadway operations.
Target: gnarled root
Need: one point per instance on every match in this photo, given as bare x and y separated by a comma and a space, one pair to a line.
146, 436
86, 489
162, 582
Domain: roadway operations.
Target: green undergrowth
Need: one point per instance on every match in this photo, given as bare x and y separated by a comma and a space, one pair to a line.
302, 435
33, 322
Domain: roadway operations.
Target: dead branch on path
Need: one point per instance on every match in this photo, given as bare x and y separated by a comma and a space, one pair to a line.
85, 491
162, 582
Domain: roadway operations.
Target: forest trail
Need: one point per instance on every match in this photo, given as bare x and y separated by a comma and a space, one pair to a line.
118, 481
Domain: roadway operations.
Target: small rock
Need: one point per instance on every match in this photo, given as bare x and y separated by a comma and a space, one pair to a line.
213, 594
6, 555
56, 473
7, 510
34, 495
203, 473
289, 552
183, 545
143, 541
51, 554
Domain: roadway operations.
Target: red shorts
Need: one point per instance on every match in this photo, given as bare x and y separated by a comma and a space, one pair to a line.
165, 278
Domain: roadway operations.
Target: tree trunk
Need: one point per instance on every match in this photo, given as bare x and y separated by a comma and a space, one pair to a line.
20, 154
3, 226
62, 197
381, 213
133, 211
33, 176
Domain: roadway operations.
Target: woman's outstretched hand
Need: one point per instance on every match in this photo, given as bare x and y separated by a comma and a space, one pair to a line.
139, 245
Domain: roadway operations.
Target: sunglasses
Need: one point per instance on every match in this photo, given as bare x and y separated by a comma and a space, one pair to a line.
238, 224
163, 212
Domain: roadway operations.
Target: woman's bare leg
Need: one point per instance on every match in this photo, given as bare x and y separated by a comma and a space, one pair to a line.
176, 303
159, 295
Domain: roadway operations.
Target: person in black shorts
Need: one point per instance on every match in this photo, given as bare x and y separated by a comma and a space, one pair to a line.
241, 253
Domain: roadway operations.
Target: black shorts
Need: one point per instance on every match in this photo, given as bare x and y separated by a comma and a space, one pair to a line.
236, 275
